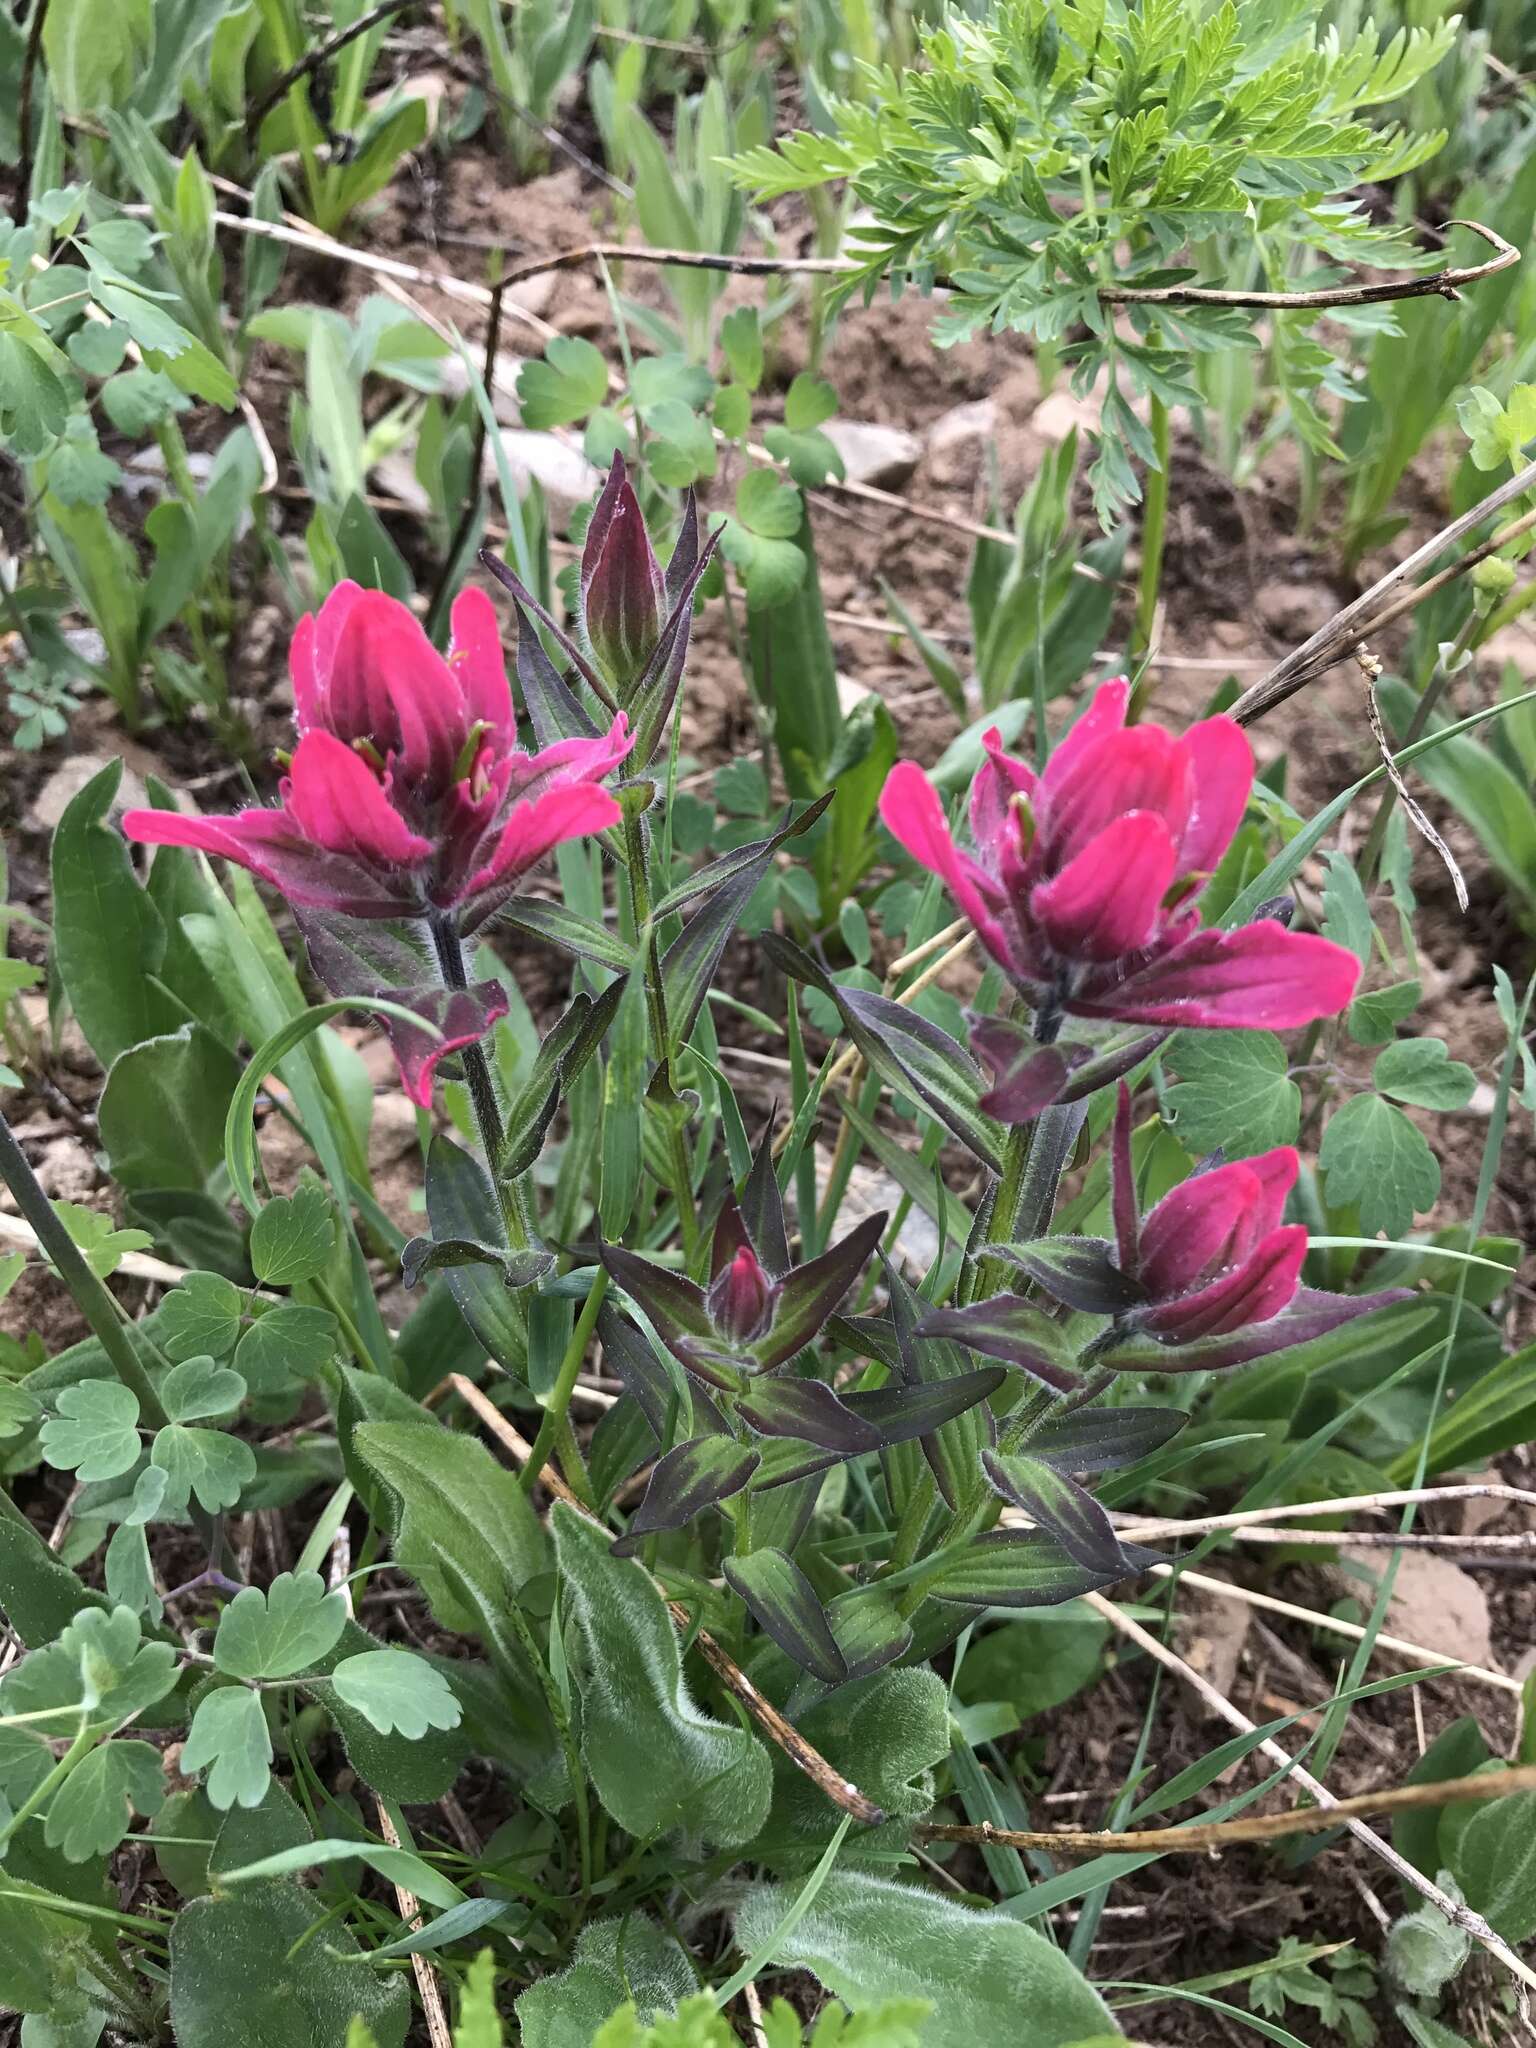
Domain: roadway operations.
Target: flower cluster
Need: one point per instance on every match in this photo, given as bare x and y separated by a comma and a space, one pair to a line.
1085, 879
406, 795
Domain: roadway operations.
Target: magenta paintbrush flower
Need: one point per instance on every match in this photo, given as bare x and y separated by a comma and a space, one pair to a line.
407, 796
1084, 881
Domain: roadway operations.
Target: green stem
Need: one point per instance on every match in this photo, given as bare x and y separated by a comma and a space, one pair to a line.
90, 1294
555, 1413
85, 1739
1154, 527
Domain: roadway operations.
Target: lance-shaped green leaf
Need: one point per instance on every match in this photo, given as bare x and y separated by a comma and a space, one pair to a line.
869, 1629
462, 1206
692, 1477
899, 1413
1311, 1316
911, 1055
810, 1411
688, 966
782, 1600
1062, 1508
740, 860
563, 927
1026, 1568
422, 1255
565, 1051
953, 1447
1012, 1329
808, 1294
1103, 1439
1078, 1271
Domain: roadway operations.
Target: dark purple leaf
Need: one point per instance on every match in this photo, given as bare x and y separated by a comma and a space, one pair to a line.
1027, 1568
678, 574
1014, 1330
562, 927
689, 1479
808, 1294
910, 1054
1063, 1509
807, 1410
1079, 1271
783, 1602
762, 1209
712, 877
1102, 1439
729, 1237
627, 1351
787, 1458
364, 957
900, 1413
656, 691
1029, 1077
674, 1305
1312, 1314
535, 670
868, 1337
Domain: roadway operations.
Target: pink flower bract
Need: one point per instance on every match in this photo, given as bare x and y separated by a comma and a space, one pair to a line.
1084, 881
406, 795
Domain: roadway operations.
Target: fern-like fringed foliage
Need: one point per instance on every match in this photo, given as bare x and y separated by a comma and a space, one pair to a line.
1059, 146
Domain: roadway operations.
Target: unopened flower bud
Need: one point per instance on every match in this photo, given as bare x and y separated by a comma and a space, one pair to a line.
623, 591
741, 1299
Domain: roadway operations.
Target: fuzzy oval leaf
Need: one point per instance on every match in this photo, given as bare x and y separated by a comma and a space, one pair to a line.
656, 1759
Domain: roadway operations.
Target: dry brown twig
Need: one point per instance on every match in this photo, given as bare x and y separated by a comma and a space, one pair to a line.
1205, 1837
804, 1755
409, 1908
1459, 1915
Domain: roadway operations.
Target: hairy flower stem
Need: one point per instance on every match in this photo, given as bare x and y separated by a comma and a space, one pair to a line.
449, 948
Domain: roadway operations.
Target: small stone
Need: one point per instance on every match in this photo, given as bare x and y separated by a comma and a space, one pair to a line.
67, 1171
535, 293
977, 421
563, 473
1294, 611
1218, 1636
396, 478
67, 781
872, 454
1435, 1604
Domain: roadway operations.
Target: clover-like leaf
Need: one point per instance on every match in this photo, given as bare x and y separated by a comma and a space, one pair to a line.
398, 1692
229, 1740
102, 1661
92, 1810
104, 1245
1375, 1160
288, 1628
569, 383
200, 1389
1421, 1071
201, 1317
203, 1463
293, 1237
1233, 1090
95, 1434
285, 1344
